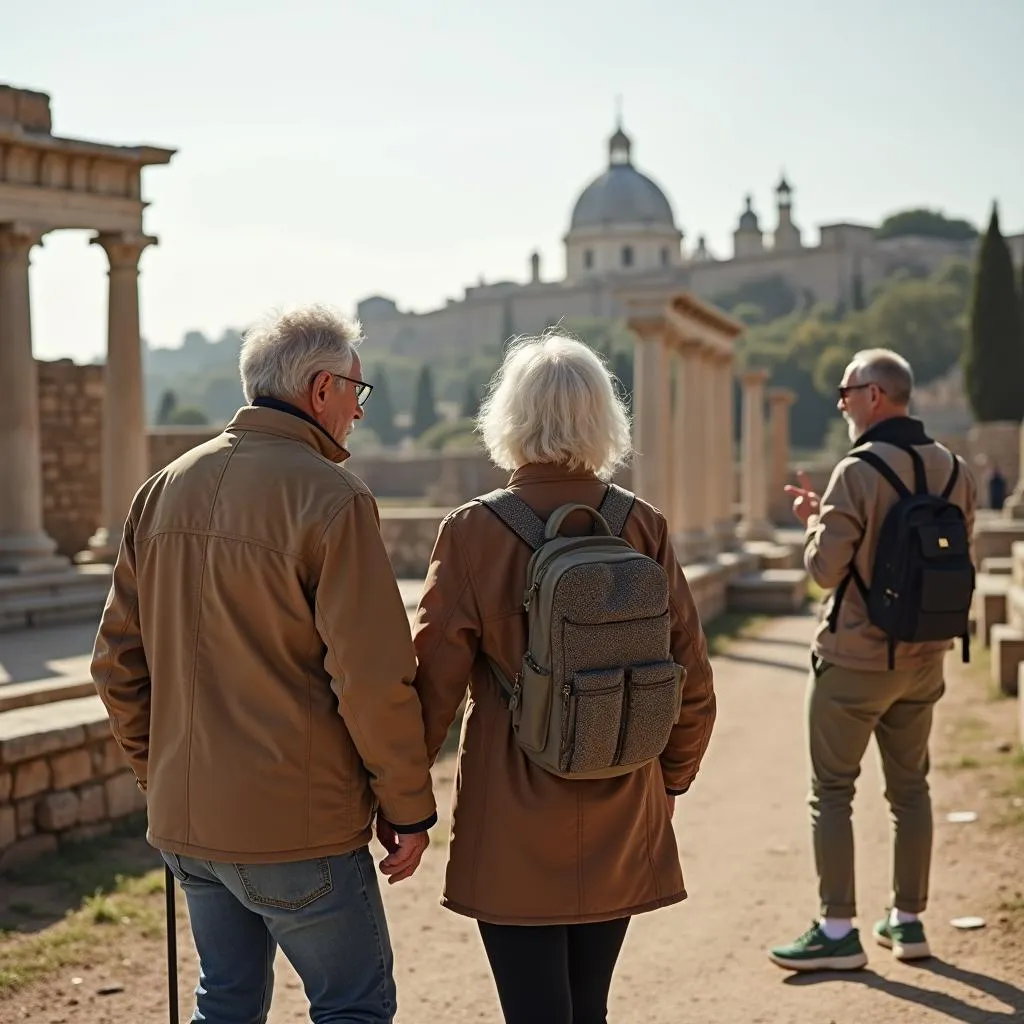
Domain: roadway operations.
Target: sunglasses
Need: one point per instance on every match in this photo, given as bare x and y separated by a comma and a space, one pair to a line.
362, 388
845, 389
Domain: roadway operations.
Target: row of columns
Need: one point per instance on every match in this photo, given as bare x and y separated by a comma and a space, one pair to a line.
685, 461
25, 546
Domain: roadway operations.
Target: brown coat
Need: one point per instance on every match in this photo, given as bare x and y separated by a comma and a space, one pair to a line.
255, 654
853, 508
527, 847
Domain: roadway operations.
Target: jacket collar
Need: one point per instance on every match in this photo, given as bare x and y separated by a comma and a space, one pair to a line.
274, 416
548, 472
898, 430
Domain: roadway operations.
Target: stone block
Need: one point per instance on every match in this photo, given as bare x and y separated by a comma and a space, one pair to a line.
769, 591
114, 760
71, 769
1007, 654
997, 566
98, 730
92, 803
39, 744
6, 785
25, 851
31, 778
122, 795
8, 827
57, 811
25, 812
82, 833
989, 604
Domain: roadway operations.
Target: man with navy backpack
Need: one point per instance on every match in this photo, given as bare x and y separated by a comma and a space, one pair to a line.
891, 539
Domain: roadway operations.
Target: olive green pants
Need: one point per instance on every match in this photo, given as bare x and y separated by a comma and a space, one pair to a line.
844, 707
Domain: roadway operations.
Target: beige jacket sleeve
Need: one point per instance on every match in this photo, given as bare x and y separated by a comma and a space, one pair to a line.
119, 667
361, 619
834, 534
446, 634
691, 734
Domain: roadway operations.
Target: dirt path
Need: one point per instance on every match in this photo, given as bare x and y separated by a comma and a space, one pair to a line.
746, 852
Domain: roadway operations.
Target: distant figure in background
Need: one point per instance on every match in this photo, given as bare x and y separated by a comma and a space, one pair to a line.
862, 681
996, 488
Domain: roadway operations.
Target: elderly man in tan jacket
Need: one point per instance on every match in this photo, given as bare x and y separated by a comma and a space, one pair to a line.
256, 660
860, 682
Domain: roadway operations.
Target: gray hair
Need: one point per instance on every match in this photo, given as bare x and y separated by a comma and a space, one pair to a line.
888, 369
281, 355
553, 400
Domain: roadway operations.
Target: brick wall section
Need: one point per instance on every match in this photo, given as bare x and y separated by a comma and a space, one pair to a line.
60, 782
71, 433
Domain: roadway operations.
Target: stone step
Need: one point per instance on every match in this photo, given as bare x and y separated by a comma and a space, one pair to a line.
996, 537
33, 732
1017, 560
768, 591
69, 595
1015, 607
44, 691
990, 593
771, 555
1007, 655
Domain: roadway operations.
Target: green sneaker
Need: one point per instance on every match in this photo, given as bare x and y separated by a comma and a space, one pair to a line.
815, 951
907, 941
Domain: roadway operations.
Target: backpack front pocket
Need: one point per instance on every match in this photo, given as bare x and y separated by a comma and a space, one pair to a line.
651, 710
592, 713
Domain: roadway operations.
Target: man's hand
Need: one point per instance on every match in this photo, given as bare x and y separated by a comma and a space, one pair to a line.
405, 851
806, 502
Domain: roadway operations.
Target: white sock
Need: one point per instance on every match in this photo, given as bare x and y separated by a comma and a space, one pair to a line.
836, 927
901, 917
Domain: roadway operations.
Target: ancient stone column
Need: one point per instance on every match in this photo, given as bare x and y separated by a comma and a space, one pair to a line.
754, 525
651, 418
125, 456
779, 402
688, 458
24, 544
725, 451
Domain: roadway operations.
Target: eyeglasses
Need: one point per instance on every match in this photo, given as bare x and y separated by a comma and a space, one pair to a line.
845, 389
362, 388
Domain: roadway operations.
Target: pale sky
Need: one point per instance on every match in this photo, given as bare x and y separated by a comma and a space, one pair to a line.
329, 149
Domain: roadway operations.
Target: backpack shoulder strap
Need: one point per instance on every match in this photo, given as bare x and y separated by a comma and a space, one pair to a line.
953, 477
615, 508
920, 477
879, 464
516, 515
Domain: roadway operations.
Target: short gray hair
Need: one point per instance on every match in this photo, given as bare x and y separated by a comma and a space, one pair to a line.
888, 369
282, 354
553, 400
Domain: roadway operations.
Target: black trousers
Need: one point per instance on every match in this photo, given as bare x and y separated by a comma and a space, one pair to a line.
554, 974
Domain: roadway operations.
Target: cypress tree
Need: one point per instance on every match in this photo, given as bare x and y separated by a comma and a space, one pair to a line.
994, 353
470, 400
380, 411
424, 414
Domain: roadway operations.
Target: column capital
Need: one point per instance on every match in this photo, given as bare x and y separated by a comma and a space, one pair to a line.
18, 237
123, 249
647, 329
754, 378
781, 396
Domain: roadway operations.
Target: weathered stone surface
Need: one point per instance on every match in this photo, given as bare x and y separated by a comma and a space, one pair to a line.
71, 769
27, 850
80, 833
25, 812
6, 784
31, 778
114, 760
57, 811
98, 730
92, 803
44, 729
8, 827
122, 795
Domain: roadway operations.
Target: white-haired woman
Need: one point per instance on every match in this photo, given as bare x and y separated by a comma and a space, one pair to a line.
552, 868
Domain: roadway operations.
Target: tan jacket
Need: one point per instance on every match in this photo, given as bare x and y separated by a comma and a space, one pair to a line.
527, 847
853, 508
255, 654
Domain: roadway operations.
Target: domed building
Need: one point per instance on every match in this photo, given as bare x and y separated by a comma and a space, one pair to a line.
622, 221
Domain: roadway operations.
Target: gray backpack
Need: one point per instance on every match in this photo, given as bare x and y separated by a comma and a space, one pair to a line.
598, 693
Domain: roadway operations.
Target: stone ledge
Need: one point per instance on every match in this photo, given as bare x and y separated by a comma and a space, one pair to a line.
997, 565
1007, 655
49, 728
44, 691
989, 604
770, 591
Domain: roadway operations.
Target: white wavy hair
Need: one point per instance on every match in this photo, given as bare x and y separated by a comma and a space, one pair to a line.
281, 354
553, 400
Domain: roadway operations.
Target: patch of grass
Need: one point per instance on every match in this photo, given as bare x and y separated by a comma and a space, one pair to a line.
968, 762
731, 626
131, 906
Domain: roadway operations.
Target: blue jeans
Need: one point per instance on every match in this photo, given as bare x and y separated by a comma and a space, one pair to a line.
327, 917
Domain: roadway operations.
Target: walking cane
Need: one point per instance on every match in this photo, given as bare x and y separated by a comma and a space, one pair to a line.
172, 948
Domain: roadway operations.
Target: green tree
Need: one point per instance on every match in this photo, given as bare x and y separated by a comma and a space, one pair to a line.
994, 354
188, 416
424, 413
168, 403
923, 223
380, 410
470, 400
